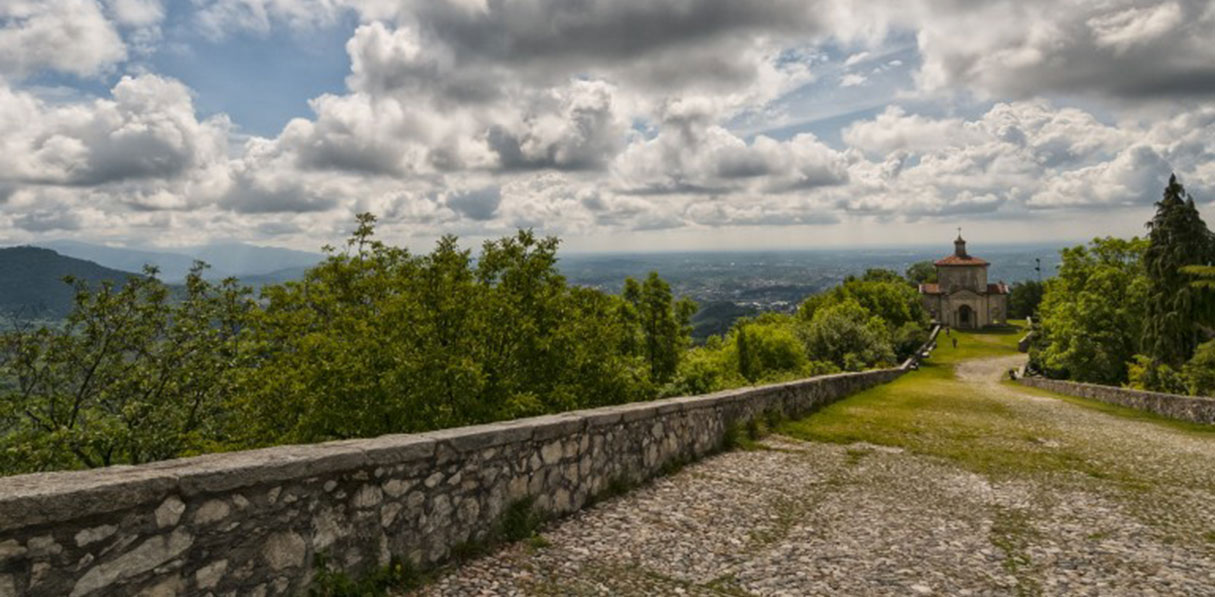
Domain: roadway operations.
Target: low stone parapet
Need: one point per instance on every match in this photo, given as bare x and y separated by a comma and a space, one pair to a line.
252, 522
1195, 409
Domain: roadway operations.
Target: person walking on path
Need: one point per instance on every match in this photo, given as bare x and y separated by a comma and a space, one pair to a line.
955, 342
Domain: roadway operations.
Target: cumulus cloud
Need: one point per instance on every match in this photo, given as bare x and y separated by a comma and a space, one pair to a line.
147, 129
1123, 49
71, 36
476, 116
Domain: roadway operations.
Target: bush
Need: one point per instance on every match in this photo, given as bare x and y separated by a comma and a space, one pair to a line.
1148, 374
1199, 372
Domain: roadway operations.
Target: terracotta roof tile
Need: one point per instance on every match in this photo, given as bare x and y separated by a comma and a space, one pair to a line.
955, 260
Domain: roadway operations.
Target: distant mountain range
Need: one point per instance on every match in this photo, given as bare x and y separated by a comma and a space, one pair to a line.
253, 264
31, 278
32, 286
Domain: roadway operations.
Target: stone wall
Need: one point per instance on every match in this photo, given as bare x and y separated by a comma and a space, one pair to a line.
250, 523
1195, 409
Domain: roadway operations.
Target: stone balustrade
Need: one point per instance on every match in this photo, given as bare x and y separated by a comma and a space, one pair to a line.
252, 522
1195, 409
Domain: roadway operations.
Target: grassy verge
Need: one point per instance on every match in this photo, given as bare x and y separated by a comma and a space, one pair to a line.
1198, 429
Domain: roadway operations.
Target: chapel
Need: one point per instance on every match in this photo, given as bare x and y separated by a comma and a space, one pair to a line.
962, 297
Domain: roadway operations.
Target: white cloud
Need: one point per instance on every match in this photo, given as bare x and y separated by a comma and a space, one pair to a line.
1135, 26
474, 116
71, 36
856, 58
852, 80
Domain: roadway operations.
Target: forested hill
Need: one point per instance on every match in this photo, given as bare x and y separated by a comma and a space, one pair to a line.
32, 286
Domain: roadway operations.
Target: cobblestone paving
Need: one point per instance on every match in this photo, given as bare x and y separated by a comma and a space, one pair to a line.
809, 518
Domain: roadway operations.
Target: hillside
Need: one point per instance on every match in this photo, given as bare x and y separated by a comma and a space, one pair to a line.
226, 259
31, 281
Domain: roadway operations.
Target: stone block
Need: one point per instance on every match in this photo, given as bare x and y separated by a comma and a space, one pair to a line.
555, 426
44, 498
397, 449
214, 473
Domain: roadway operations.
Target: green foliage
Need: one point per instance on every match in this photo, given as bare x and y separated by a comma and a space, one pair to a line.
130, 377
746, 362
1145, 373
890, 299
1092, 312
921, 272
399, 575
1199, 372
908, 339
849, 336
875, 274
1024, 298
376, 341
1203, 276
1174, 307
520, 520
665, 328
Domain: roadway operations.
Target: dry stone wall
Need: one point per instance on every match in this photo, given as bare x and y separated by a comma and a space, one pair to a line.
1195, 409
251, 523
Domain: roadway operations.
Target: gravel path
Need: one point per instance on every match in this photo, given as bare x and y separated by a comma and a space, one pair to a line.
809, 518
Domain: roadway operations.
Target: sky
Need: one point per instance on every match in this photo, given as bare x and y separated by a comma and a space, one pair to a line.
618, 125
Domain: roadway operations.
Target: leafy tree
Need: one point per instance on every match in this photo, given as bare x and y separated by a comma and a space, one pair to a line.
1174, 307
1199, 372
746, 363
1145, 373
375, 340
847, 335
132, 376
772, 349
1024, 298
1091, 312
922, 272
908, 338
665, 330
1203, 276
875, 274
893, 301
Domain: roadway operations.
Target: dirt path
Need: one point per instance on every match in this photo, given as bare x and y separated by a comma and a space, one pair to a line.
1118, 507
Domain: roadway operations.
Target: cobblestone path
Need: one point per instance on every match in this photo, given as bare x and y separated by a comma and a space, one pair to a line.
1104, 505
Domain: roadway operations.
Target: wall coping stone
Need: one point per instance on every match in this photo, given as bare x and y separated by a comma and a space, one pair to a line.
1196, 409
42, 498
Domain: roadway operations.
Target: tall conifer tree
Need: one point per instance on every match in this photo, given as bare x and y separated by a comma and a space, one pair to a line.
1177, 238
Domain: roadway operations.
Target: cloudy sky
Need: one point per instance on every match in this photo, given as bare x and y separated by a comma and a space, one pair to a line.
616, 124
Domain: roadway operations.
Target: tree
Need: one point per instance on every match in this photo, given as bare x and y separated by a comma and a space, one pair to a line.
875, 274
746, 363
1145, 373
1203, 276
1199, 371
922, 272
375, 340
893, 301
1174, 307
847, 335
132, 375
1091, 312
665, 324
1024, 298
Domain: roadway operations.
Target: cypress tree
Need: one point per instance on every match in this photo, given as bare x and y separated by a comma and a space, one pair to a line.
746, 365
1177, 238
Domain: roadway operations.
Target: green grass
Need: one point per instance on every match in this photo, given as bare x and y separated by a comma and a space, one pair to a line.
931, 412
1199, 429
977, 344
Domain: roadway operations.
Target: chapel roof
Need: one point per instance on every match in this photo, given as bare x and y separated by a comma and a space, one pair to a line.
959, 257
998, 288
958, 260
